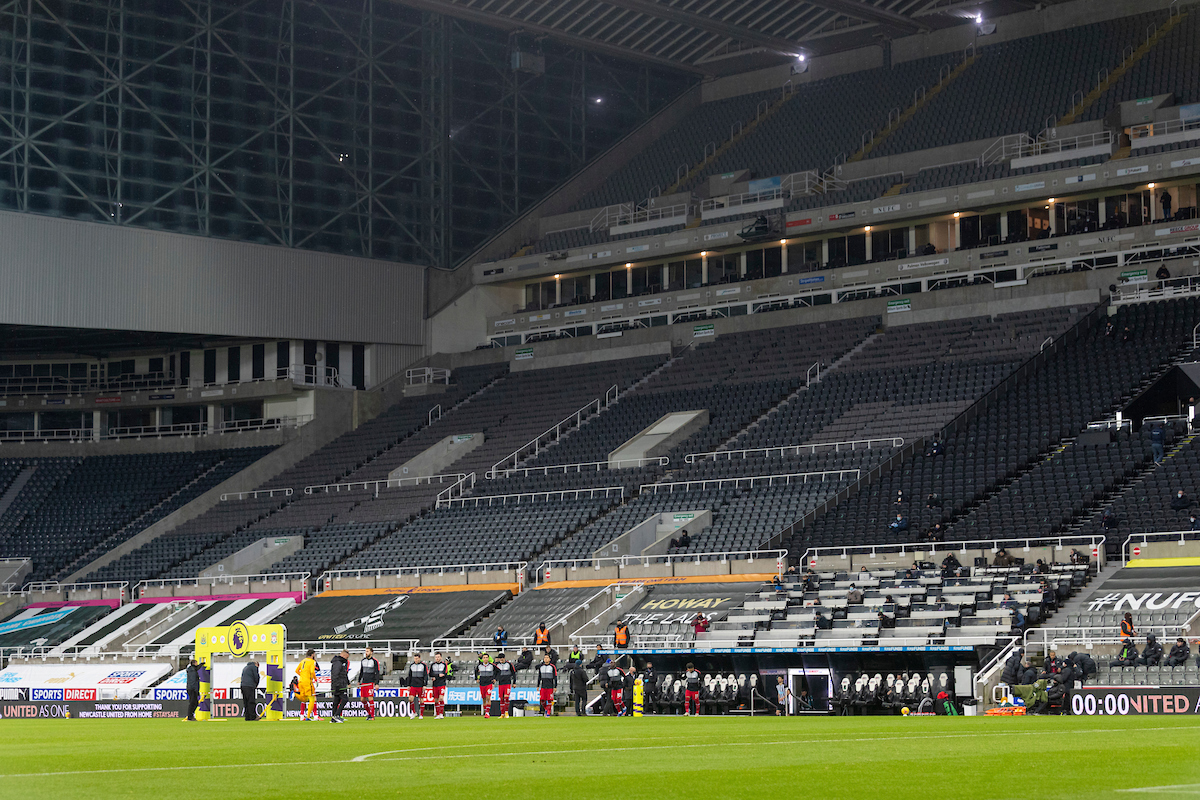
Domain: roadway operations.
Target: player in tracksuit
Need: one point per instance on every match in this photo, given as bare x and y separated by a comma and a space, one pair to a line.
547, 682
616, 687
691, 690
418, 675
485, 675
440, 671
370, 671
506, 673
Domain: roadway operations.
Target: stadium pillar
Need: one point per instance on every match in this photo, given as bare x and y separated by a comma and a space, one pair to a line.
557, 290
37, 421
824, 252
214, 418
592, 286
912, 239
742, 264
783, 258
1004, 227
96, 423
704, 269
868, 246
1102, 210
956, 229
665, 277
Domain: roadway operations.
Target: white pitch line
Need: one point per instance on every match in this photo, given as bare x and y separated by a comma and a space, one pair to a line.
1180, 788
360, 760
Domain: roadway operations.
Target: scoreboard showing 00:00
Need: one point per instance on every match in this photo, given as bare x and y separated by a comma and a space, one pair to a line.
1103, 701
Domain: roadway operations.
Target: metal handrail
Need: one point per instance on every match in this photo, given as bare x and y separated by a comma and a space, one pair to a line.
751, 480
389, 483
556, 431
600, 466
664, 558
224, 580
457, 489
477, 643
426, 375
255, 494
560, 494
1083, 635
796, 449
1144, 538
733, 201
402, 646
55, 586
388, 572
1094, 541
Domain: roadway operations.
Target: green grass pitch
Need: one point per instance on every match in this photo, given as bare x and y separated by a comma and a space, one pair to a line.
866, 758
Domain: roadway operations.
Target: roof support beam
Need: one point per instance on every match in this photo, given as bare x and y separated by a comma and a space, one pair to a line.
464, 12
865, 11
659, 10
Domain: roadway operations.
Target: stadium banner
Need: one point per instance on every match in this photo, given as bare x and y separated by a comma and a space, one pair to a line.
1097, 701
35, 621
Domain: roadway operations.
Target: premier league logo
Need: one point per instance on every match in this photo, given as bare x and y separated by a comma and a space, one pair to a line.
239, 639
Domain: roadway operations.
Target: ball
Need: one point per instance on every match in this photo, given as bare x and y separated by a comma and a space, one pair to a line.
904, 711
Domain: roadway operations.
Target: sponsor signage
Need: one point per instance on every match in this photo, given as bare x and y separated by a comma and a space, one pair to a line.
796, 223
810, 279
36, 621
1122, 701
103, 400
212, 392
888, 209
524, 354
575, 312
163, 396
637, 248
82, 694
727, 292
841, 216
652, 302
1177, 229
1133, 170
993, 254
708, 237
613, 307
538, 317
1029, 187
1091, 176
1185, 162
45, 694
933, 262
500, 323
58, 402
899, 306
1042, 248
122, 677
704, 330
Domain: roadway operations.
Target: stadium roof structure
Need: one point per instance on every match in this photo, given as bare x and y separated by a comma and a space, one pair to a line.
720, 36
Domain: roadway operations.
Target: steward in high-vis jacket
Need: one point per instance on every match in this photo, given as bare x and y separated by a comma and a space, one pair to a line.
621, 636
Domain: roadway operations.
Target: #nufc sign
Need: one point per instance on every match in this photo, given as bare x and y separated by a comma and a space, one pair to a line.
1100, 701
1149, 601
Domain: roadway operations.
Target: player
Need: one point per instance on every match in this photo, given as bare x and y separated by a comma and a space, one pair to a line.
369, 674
441, 672
417, 674
616, 687
485, 674
306, 688
547, 682
691, 691
506, 675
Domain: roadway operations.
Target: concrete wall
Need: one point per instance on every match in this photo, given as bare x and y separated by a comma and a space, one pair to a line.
333, 418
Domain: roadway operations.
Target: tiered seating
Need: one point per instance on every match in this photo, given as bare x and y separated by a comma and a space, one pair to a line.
63, 623
1081, 382
74, 509
977, 106
524, 613
1165, 68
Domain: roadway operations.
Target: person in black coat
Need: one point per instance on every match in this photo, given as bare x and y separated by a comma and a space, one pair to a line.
250, 678
1127, 656
1179, 653
193, 688
1012, 669
339, 682
1151, 653
579, 681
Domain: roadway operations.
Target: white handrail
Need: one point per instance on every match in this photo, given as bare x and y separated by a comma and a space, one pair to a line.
388, 572
1094, 541
560, 494
600, 466
214, 580
457, 489
254, 495
426, 375
477, 643
796, 449
664, 558
555, 432
751, 480
1144, 538
55, 586
389, 483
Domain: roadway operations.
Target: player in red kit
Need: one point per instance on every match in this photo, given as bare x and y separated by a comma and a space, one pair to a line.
691, 690
547, 682
369, 673
506, 675
616, 687
439, 671
485, 674
418, 675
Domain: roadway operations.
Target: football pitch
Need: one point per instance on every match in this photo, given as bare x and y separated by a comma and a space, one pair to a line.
867, 758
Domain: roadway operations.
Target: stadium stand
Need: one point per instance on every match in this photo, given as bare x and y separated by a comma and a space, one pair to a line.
44, 628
